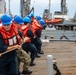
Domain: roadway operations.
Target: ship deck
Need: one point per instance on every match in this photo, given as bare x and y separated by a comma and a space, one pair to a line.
63, 52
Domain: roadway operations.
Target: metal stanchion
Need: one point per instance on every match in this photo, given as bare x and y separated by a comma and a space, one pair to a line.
63, 35
74, 28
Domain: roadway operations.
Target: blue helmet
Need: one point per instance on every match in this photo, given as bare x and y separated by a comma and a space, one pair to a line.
26, 19
15, 16
32, 14
18, 19
38, 18
41, 22
29, 16
6, 19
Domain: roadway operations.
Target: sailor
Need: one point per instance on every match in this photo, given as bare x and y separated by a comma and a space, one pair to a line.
33, 22
38, 18
37, 29
22, 55
9, 43
32, 17
28, 46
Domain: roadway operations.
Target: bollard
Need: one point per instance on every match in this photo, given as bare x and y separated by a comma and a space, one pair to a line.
49, 64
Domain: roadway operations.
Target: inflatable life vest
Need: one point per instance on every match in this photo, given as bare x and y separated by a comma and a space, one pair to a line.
32, 19
34, 22
24, 30
35, 27
10, 38
18, 27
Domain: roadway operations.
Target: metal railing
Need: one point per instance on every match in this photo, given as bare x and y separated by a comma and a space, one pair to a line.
59, 35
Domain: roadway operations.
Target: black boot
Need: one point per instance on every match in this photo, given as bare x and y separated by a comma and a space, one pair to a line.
32, 64
41, 52
27, 72
38, 56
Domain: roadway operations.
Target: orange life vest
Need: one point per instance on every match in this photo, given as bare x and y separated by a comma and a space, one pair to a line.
24, 30
10, 38
35, 27
18, 27
32, 19
34, 22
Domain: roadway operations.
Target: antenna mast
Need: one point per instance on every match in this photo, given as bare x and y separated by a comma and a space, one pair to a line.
9, 8
50, 15
49, 5
25, 7
64, 7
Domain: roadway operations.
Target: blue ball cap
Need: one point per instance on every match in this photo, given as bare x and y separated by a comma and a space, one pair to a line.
6, 19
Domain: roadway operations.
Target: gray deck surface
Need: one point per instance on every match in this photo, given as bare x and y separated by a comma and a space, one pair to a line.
63, 52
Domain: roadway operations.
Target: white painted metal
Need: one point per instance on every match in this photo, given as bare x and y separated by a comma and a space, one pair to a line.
49, 64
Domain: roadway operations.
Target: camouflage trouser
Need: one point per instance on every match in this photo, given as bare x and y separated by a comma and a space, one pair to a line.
23, 57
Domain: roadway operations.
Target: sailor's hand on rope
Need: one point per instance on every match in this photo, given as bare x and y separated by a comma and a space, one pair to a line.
21, 41
19, 47
16, 47
26, 38
35, 36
